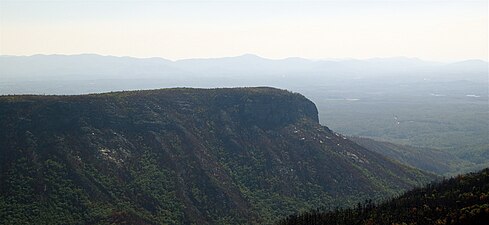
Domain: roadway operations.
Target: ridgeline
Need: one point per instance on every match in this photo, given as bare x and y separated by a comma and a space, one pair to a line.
180, 156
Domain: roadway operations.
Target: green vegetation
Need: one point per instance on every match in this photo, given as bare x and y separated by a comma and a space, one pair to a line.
427, 159
429, 115
460, 200
445, 125
180, 156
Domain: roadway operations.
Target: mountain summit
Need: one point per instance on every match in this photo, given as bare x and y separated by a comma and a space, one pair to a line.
180, 156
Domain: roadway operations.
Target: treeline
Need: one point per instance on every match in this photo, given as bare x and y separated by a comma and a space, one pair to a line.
460, 200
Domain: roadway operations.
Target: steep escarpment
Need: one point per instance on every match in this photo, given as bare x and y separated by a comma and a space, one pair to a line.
180, 156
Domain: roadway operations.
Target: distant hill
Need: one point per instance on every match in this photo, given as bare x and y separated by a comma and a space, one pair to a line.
460, 200
427, 159
180, 156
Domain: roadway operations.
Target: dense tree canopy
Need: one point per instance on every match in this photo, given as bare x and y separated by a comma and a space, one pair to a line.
460, 200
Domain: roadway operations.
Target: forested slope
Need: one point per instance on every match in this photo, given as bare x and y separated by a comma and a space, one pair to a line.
180, 156
460, 200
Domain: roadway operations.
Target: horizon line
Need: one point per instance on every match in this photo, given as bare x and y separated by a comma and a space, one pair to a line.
255, 55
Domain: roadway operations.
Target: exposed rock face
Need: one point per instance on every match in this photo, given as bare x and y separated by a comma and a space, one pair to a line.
267, 108
180, 156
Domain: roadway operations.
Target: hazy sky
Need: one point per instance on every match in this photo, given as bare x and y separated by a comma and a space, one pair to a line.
433, 30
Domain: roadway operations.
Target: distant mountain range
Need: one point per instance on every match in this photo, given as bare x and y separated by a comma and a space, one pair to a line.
250, 68
181, 156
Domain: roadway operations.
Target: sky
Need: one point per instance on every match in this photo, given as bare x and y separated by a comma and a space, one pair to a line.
440, 30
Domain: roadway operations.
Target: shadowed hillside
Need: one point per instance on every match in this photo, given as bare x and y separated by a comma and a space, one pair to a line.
460, 200
180, 156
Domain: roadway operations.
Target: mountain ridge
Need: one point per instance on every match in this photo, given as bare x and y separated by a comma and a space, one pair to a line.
180, 156
252, 55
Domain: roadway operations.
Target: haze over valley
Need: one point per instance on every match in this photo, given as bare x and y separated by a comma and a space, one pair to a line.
402, 100
317, 112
